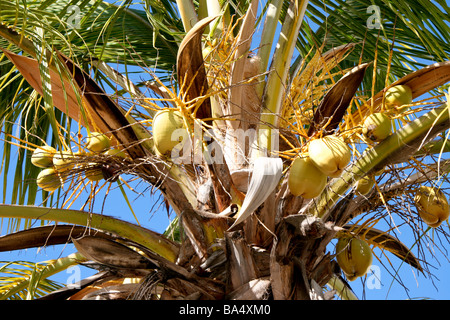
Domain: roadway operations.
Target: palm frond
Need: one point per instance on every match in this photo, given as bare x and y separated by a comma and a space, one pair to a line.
27, 280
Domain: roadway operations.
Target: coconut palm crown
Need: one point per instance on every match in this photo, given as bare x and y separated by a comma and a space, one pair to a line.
211, 103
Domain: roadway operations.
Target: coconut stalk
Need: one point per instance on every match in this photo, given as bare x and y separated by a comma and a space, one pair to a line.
342, 289
212, 8
188, 14
267, 37
277, 79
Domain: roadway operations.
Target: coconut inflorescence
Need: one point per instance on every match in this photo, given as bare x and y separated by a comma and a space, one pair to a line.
305, 179
330, 154
432, 205
354, 256
168, 130
377, 127
60, 163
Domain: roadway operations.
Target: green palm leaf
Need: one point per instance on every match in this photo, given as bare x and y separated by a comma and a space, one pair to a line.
27, 280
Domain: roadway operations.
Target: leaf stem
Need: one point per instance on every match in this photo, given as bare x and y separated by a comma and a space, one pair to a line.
150, 239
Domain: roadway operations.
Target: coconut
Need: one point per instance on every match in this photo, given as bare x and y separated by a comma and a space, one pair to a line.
398, 96
42, 157
432, 205
377, 127
166, 136
365, 184
93, 172
63, 161
48, 180
97, 142
353, 256
305, 179
330, 154
115, 153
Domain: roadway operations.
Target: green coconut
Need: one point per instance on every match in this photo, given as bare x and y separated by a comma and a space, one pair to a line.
48, 180
115, 153
93, 172
330, 154
42, 157
365, 184
305, 179
166, 136
97, 142
63, 161
432, 205
377, 127
354, 256
398, 96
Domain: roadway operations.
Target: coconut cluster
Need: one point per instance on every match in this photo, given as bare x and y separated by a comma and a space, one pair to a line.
56, 165
326, 157
378, 126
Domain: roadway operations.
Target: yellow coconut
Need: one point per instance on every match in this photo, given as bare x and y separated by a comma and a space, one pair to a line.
353, 256
168, 130
330, 154
305, 179
42, 157
48, 180
365, 184
97, 142
398, 96
63, 161
377, 127
432, 205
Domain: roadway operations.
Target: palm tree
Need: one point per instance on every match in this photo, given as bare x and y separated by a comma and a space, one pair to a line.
252, 103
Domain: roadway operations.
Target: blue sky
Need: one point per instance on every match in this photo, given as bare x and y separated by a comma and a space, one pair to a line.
155, 217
